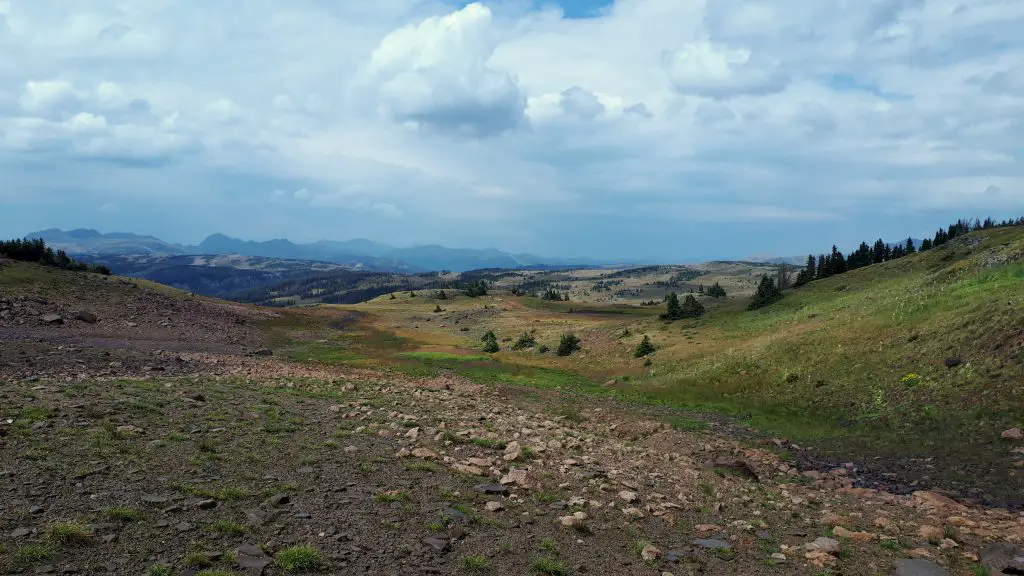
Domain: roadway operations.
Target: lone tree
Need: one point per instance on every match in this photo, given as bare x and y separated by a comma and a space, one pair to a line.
441, 295
673, 311
568, 344
691, 308
490, 343
716, 291
643, 348
438, 309
767, 293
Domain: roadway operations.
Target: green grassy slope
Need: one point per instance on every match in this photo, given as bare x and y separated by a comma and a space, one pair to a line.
857, 362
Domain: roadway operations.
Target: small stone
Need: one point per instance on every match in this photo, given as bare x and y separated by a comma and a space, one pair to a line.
916, 567
499, 489
207, 504
858, 536
930, 533
628, 496
438, 543
650, 553
154, 499
482, 462
425, 453
469, 470
20, 532
519, 477
633, 513
251, 558
494, 506
827, 545
278, 500
85, 316
1013, 434
707, 528
52, 319
779, 557
413, 433
574, 520
513, 452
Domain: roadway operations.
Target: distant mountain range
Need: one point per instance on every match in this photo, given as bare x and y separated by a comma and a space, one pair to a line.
358, 254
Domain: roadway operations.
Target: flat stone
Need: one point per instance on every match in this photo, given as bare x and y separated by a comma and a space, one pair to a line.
20, 532
1003, 558
252, 559
438, 543
917, 567
52, 319
491, 489
278, 500
154, 499
207, 504
712, 544
85, 316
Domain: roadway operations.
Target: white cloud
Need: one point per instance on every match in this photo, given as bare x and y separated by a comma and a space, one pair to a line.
721, 72
744, 110
436, 74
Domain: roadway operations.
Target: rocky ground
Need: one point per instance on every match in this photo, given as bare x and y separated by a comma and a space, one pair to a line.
210, 457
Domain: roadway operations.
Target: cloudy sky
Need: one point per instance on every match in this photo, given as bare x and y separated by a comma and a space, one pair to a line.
667, 129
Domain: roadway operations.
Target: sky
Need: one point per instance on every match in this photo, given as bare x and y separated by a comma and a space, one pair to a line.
667, 130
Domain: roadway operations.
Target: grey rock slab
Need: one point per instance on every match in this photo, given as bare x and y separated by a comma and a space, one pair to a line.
252, 559
1003, 558
917, 567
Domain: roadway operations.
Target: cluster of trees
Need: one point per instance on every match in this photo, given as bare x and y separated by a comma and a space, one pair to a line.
690, 307
568, 344
37, 251
477, 288
716, 290
835, 262
767, 293
554, 296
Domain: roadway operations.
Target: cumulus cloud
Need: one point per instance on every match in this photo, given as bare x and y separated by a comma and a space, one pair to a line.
734, 111
436, 74
720, 71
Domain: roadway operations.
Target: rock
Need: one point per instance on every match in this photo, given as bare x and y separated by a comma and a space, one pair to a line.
20, 532
207, 504
196, 397
1003, 558
738, 465
154, 499
952, 362
633, 512
482, 462
779, 557
628, 496
494, 506
826, 545
1012, 434
469, 470
859, 536
712, 544
573, 520
917, 567
650, 553
820, 558
438, 543
513, 452
491, 489
52, 319
425, 453
707, 528
252, 559
263, 352
278, 500
930, 533
129, 430
519, 477
932, 500
85, 316
413, 433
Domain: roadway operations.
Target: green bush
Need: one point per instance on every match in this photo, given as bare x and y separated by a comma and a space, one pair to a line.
526, 340
644, 348
568, 344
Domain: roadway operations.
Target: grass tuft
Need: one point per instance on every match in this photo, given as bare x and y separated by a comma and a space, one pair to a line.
299, 559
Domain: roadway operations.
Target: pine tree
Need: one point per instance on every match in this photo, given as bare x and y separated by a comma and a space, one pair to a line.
878, 253
767, 293
926, 244
909, 248
568, 344
673, 311
644, 348
691, 308
441, 295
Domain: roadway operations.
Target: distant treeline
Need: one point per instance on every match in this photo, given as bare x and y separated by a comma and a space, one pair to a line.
826, 265
37, 251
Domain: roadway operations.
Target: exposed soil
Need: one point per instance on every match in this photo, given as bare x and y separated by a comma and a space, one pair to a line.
131, 448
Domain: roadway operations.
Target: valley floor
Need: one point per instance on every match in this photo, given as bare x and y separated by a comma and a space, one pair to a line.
162, 434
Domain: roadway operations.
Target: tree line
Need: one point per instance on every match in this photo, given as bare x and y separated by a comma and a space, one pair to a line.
36, 250
835, 262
